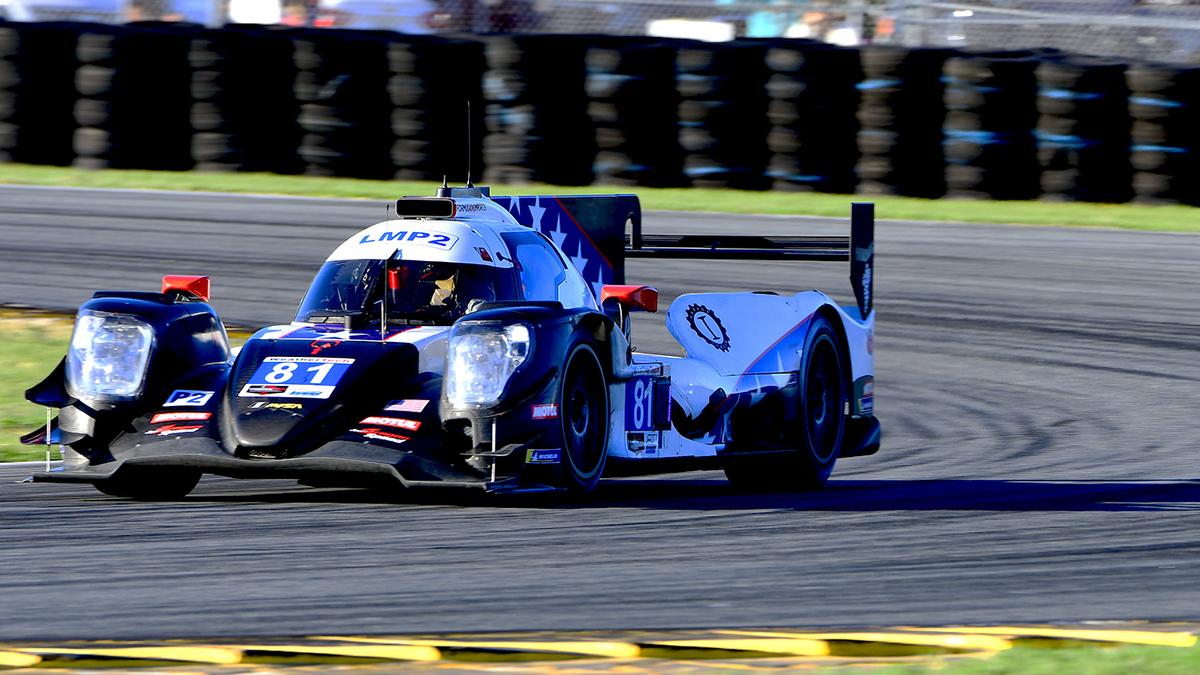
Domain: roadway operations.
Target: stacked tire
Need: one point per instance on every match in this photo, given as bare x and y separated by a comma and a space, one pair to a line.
537, 110
135, 100
901, 114
1084, 130
635, 111
345, 111
434, 82
723, 114
991, 102
814, 100
244, 114
37, 92
1165, 107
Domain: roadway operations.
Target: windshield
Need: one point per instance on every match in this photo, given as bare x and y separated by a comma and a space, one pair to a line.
417, 291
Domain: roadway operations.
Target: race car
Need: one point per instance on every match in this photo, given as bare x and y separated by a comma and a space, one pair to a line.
476, 341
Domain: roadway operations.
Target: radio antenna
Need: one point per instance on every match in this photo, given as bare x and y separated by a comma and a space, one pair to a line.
384, 286
469, 183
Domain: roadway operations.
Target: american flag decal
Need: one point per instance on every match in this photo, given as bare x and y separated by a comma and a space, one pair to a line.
578, 237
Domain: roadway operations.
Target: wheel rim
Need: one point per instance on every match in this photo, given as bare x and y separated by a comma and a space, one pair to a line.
823, 410
582, 424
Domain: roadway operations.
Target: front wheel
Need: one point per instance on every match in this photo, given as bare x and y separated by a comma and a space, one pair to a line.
583, 410
818, 419
161, 485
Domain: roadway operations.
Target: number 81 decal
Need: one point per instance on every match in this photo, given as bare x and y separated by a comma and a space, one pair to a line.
639, 404
296, 377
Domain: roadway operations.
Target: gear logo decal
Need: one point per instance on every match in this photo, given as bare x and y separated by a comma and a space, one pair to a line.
706, 324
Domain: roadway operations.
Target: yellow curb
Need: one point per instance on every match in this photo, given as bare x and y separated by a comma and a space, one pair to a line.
212, 655
986, 643
384, 652
608, 649
1137, 637
18, 660
774, 645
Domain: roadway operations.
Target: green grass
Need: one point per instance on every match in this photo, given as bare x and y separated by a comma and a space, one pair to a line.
1125, 660
30, 347
1128, 216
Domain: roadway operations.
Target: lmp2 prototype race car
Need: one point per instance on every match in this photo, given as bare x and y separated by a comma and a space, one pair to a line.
475, 341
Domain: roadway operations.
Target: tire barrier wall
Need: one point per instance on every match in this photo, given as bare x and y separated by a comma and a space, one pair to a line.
578, 109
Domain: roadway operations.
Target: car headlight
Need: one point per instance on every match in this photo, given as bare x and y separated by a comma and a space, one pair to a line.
480, 360
108, 357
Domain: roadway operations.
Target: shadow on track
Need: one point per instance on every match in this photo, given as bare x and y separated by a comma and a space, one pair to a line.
839, 495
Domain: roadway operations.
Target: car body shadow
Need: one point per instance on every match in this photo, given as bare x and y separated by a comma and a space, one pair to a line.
715, 494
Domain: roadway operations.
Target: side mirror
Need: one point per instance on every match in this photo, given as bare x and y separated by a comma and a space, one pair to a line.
184, 285
630, 298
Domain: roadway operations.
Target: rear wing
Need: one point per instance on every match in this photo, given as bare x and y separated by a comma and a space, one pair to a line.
858, 248
599, 232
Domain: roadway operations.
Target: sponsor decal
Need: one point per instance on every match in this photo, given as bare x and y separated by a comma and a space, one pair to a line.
398, 422
543, 456
323, 343
172, 429
870, 342
704, 322
188, 397
180, 417
277, 406
544, 411
263, 389
434, 239
380, 435
469, 207
647, 442
409, 405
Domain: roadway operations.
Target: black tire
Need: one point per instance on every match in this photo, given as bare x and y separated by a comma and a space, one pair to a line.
160, 485
820, 417
584, 413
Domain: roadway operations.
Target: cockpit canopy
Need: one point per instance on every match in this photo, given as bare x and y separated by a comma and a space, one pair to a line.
414, 291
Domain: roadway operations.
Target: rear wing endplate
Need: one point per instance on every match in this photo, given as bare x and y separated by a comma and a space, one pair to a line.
858, 248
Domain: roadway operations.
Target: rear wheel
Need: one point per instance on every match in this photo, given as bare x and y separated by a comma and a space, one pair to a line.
818, 417
583, 410
160, 485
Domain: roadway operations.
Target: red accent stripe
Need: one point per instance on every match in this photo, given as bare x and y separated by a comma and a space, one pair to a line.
771, 348
585, 234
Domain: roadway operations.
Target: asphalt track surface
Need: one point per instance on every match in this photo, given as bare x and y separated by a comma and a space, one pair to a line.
1037, 388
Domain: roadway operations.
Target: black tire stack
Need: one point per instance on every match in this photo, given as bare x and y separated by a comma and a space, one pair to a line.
635, 111
814, 100
1084, 130
37, 92
244, 113
1165, 106
537, 110
902, 113
432, 81
991, 102
135, 100
723, 114
345, 112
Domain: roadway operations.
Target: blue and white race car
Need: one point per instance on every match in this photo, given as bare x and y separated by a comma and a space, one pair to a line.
476, 341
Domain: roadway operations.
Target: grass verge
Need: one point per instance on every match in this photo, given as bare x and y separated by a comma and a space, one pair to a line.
1126, 216
30, 347
1121, 660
